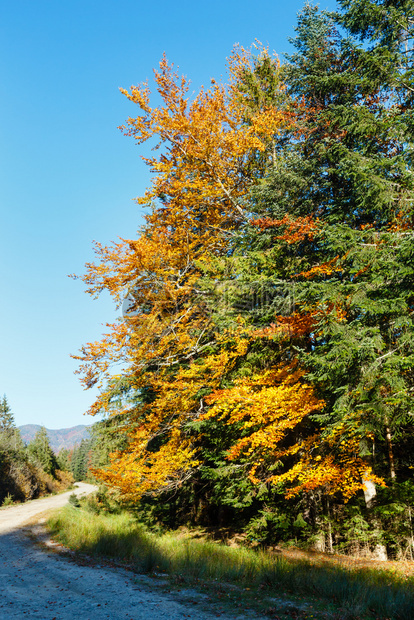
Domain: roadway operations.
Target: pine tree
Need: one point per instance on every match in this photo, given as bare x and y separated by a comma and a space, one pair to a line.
63, 460
6, 416
10, 438
80, 460
333, 223
108, 436
41, 453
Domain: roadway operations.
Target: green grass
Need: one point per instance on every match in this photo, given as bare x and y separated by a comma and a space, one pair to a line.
353, 593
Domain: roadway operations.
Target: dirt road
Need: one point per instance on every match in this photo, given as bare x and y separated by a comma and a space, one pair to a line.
12, 518
37, 584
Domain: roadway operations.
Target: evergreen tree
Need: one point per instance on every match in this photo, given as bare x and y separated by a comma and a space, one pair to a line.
10, 438
333, 222
6, 416
63, 460
40, 452
298, 369
80, 460
108, 436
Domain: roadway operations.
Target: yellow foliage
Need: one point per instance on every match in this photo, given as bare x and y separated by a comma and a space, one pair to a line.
331, 463
204, 165
160, 455
207, 158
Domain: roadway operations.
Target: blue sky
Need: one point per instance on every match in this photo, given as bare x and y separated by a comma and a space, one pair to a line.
68, 176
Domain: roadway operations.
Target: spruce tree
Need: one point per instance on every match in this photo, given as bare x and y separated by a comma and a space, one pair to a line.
80, 460
10, 438
41, 453
333, 223
6, 416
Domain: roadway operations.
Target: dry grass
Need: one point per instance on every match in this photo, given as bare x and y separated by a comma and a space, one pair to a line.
357, 591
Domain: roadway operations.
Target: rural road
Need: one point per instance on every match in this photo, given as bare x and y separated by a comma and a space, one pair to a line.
37, 584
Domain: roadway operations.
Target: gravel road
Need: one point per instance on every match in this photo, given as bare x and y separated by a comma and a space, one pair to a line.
37, 584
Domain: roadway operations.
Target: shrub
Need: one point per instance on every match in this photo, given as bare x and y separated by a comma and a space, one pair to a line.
8, 500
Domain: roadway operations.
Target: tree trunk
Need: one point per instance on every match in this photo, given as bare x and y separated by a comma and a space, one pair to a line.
411, 532
370, 490
329, 533
390, 452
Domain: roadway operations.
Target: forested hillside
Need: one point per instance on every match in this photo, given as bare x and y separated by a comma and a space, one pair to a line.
27, 472
267, 346
62, 438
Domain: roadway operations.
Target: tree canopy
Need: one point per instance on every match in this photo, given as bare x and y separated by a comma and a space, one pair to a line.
268, 346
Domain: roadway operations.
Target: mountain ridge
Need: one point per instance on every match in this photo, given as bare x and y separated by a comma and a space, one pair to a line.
61, 438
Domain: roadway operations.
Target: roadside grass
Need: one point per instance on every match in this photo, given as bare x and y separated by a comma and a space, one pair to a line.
346, 593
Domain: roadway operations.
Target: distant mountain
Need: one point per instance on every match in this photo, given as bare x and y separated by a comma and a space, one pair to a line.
59, 439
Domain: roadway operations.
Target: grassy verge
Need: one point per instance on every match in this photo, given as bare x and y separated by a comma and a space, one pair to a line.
342, 593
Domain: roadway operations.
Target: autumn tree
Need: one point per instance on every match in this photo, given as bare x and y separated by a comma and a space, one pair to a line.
209, 158
267, 348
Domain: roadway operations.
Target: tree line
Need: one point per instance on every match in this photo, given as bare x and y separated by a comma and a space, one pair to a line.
32, 470
27, 472
267, 346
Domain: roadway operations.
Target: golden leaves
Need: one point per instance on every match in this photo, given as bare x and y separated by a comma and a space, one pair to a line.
169, 350
267, 407
208, 145
272, 411
329, 462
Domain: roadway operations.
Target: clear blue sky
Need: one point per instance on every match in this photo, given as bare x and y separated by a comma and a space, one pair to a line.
68, 176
